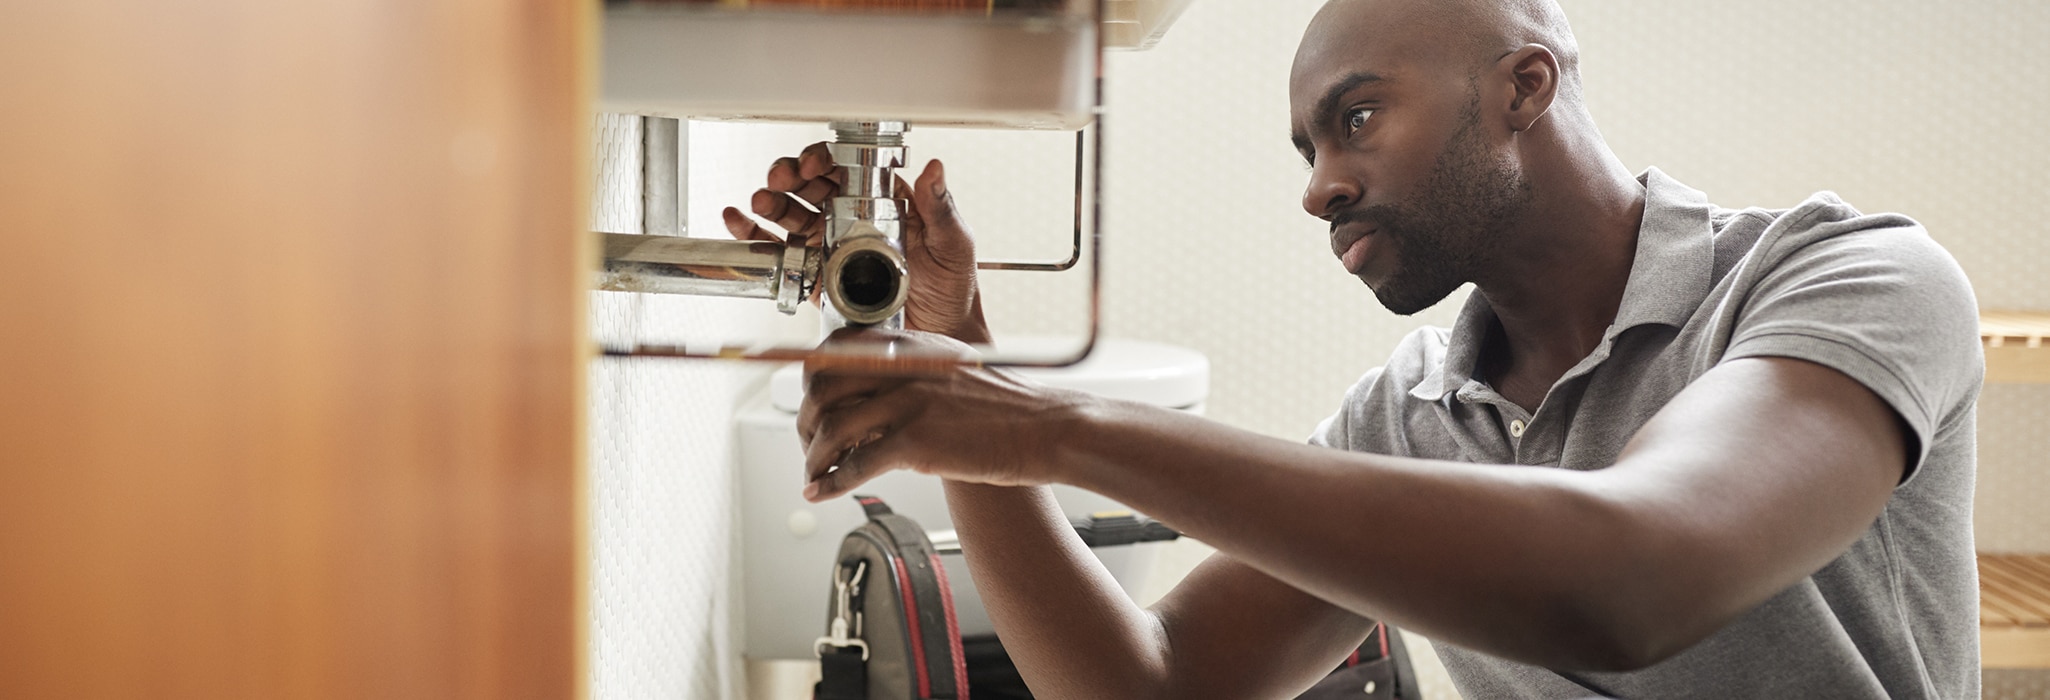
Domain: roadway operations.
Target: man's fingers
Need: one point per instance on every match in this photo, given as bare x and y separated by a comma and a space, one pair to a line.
852, 421
854, 471
944, 235
816, 161
788, 175
856, 438
902, 190
785, 175
816, 191
818, 406
744, 228
783, 210
826, 391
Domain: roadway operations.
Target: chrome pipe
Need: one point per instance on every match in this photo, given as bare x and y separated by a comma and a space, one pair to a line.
863, 280
677, 265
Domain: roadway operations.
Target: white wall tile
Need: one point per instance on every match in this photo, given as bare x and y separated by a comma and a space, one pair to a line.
662, 479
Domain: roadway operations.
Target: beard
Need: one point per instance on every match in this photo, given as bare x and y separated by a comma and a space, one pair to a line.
1453, 225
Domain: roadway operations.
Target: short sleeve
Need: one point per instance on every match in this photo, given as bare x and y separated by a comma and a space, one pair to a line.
1876, 299
1336, 431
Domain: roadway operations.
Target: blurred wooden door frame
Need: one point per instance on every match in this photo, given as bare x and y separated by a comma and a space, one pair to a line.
292, 348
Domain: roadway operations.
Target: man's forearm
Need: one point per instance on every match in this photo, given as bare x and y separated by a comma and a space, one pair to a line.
1064, 620
1614, 568
1488, 557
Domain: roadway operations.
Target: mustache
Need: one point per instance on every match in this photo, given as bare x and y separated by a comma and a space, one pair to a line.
1353, 217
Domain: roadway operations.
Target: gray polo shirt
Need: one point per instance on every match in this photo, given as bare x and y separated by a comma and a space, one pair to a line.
1872, 296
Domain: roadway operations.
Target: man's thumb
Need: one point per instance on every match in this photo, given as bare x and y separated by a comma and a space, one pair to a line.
933, 199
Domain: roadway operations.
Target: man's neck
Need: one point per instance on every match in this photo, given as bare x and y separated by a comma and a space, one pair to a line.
1560, 279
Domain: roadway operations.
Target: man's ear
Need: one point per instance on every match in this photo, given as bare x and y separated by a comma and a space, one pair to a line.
1534, 72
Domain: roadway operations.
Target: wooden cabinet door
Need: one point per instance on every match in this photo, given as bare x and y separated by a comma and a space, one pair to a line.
291, 348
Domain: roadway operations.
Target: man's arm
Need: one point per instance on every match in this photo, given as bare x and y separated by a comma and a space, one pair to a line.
1753, 477
1227, 631
1756, 475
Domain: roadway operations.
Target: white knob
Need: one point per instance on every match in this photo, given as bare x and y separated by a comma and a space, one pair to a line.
803, 523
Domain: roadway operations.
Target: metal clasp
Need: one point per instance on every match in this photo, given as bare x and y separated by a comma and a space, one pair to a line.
846, 585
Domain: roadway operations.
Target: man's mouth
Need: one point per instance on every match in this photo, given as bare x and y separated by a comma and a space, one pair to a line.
1352, 244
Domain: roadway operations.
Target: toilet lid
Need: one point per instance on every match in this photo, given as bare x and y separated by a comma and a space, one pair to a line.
1169, 376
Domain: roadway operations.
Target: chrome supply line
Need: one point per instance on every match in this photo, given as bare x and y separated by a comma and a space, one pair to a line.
1074, 252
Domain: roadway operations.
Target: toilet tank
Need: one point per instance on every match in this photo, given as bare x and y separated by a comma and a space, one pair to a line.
788, 544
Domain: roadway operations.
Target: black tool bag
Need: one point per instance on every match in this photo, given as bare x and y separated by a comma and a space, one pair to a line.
891, 633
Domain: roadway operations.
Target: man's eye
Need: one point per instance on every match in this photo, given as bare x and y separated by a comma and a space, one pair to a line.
1357, 119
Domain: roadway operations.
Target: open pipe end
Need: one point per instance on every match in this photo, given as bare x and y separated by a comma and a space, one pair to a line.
865, 280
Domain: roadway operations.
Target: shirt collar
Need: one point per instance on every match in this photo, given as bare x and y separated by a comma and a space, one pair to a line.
1669, 276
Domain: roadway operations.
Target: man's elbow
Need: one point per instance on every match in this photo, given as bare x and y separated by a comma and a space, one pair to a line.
1652, 610
1596, 633
1639, 601
1615, 650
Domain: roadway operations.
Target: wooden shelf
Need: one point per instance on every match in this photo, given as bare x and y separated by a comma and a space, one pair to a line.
2017, 346
2014, 610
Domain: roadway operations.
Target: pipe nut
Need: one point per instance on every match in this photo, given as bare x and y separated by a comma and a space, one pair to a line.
797, 277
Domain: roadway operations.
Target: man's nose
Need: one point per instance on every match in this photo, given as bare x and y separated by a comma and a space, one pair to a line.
1330, 191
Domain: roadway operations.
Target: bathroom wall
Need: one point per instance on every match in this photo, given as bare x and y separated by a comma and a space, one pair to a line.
662, 484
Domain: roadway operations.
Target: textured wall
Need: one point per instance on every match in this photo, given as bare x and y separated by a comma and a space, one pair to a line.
662, 484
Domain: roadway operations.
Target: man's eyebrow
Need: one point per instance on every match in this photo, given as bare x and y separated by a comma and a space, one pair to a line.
1329, 102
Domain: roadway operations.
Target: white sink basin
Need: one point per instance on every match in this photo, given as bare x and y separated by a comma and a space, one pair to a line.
708, 62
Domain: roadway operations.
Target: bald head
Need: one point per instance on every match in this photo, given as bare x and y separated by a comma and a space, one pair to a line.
1427, 125
1469, 33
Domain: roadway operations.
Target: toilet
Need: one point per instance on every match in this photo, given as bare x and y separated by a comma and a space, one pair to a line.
787, 544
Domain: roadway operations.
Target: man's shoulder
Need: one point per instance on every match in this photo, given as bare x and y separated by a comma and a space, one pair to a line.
1825, 231
1417, 362
1378, 402
1769, 235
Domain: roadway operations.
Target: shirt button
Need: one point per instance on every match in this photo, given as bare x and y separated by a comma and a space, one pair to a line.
1516, 428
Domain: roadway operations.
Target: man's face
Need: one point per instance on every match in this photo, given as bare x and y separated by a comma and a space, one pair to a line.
1418, 185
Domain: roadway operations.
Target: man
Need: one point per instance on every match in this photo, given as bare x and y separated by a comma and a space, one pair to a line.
1759, 423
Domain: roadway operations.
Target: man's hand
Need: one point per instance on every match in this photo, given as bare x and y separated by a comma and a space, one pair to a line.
938, 247
965, 425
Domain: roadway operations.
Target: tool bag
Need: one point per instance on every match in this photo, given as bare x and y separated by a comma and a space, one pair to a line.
891, 633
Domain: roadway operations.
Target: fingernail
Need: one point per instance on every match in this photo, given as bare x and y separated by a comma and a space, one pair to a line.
811, 491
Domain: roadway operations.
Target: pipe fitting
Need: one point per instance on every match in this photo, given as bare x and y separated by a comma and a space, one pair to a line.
865, 280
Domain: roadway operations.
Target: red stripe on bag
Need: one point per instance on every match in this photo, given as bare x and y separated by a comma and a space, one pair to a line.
911, 623
953, 631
